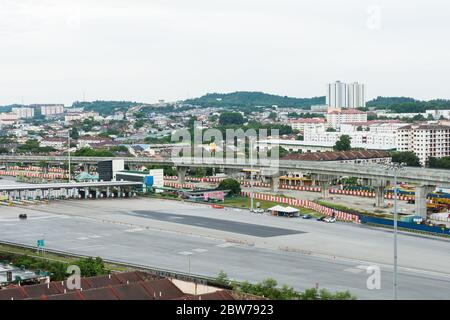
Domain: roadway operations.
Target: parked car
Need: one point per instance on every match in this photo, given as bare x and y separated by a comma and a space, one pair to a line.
322, 218
330, 219
259, 210
307, 216
23, 216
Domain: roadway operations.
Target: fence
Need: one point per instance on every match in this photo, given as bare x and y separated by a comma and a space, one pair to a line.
405, 225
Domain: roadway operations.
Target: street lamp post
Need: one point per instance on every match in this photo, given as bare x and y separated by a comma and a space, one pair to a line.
395, 234
395, 167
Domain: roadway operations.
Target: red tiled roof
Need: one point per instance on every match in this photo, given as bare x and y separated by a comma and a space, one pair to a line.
308, 120
347, 111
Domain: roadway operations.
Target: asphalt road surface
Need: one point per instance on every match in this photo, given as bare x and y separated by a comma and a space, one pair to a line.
297, 252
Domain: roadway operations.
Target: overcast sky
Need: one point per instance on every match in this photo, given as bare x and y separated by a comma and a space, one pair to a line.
52, 51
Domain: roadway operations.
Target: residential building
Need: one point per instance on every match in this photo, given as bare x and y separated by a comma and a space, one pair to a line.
356, 95
52, 109
425, 140
337, 95
57, 143
438, 114
90, 141
343, 95
374, 135
8, 118
292, 146
23, 112
337, 117
307, 124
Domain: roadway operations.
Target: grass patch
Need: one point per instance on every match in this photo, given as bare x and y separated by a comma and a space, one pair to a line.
244, 203
51, 262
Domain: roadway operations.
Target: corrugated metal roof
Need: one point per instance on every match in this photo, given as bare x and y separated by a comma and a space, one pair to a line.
337, 155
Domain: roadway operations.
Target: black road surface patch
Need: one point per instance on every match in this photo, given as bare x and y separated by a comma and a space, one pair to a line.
217, 224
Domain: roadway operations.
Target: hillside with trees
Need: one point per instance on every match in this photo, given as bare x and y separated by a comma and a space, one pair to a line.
250, 99
105, 107
406, 105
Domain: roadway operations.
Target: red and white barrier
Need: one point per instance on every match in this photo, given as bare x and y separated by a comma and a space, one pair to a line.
340, 215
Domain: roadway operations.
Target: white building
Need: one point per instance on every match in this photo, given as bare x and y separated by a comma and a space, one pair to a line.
8, 118
425, 140
337, 95
57, 143
293, 146
52, 109
337, 117
307, 124
438, 114
370, 135
356, 95
343, 95
81, 116
23, 112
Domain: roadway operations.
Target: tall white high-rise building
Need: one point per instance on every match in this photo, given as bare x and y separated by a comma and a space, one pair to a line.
343, 95
356, 95
337, 95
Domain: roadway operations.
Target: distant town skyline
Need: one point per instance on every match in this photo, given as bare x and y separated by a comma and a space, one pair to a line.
64, 51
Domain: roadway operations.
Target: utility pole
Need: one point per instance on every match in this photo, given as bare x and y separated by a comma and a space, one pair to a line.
396, 167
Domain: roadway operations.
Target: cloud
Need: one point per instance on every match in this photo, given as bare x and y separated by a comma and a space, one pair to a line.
52, 51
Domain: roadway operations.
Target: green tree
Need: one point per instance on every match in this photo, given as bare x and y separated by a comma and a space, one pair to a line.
230, 184
231, 118
88, 152
408, 157
439, 163
343, 144
90, 267
282, 152
74, 134
222, 278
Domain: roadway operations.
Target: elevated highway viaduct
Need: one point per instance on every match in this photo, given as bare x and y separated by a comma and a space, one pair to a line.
375, 175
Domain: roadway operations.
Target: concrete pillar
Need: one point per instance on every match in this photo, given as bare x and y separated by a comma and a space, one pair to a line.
108, 193
421, 199
182, 174
274, 184
379, 196
96, 193
233, 173
324, 188
86, 193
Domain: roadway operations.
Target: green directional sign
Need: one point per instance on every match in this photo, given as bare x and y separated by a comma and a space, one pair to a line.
41, 243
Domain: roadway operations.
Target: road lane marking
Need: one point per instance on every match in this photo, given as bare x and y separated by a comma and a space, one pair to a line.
134, 230
225, 245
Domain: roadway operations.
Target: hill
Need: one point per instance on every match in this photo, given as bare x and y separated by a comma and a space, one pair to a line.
405, 105
251, 99
105, 107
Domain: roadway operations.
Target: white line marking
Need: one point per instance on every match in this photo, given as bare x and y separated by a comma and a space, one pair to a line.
134, 230
225, 245
353, 270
